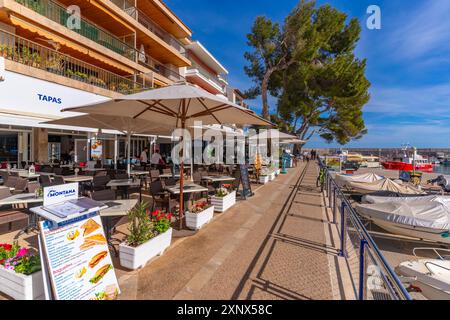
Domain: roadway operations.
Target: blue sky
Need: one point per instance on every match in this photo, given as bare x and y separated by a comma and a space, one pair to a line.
408, 61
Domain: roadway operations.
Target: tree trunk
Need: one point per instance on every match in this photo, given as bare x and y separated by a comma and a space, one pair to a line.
264, 89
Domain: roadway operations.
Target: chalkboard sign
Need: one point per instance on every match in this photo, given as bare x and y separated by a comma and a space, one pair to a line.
245, 181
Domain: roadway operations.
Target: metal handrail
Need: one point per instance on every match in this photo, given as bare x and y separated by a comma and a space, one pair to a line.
24, 51
210, 76
58, 13
364, 234
149, 24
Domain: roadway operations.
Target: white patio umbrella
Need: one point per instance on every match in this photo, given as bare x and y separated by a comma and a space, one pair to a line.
177, 106
294, 141
272, 134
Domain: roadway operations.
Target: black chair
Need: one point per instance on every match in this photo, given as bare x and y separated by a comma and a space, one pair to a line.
103, 195
21, 185
44, 180
57, 180
11, 181
160, 198
4, 176
154, 175
57, 171
121, 176
101, 173
33, 186
100, 182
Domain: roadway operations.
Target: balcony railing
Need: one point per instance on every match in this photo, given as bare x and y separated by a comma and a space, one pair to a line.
149, 24
58, 13
26, 52
209, 75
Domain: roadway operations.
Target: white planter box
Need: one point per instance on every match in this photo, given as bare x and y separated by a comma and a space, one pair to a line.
135, 258
20, 286
197, 220
272, 176
225, 203
263, 179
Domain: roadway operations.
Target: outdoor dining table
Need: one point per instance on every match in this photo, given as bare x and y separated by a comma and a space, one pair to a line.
218, 180
81, 179
22, 173
116, 209
126, 184
168, 176
189, 189
24, 198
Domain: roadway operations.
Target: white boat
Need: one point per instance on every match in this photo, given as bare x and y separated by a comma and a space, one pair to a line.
370, 162
382, 185
431, 276
343, 180
423, 219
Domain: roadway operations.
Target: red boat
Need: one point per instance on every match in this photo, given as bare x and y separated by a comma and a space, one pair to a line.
406, 164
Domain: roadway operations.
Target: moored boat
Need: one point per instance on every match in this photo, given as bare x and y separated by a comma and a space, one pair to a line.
424, 219
407, 163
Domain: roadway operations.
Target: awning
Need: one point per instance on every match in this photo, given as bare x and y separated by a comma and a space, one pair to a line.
12, 120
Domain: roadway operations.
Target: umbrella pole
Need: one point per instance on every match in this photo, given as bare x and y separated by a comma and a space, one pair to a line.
182, 179
129, 154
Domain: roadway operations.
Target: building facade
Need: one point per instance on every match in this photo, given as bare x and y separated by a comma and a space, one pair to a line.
59, 54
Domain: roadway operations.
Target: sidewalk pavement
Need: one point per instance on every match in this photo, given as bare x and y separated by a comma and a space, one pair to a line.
274, 245
278, 244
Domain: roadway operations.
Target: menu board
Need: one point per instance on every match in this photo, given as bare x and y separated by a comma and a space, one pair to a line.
333, 163
78, 260
96, 149
245, 180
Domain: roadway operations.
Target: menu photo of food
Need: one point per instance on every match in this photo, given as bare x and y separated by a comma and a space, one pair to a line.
111, 292
101, 272
72, 235
97, 259
91, 241
89, 227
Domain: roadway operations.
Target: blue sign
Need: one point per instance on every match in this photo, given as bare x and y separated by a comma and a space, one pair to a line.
43, 97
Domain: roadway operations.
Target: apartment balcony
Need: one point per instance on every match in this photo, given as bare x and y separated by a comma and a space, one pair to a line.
149, 24
58, 13
23, 51
205, 79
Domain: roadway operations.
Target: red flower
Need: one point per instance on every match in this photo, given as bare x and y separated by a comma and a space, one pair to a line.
169, 216
155, 213
6, 247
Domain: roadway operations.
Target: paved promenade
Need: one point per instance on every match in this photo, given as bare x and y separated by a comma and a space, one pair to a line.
278, 244
275, 245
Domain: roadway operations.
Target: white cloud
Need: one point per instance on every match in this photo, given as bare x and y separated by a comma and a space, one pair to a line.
425, 100
424, 32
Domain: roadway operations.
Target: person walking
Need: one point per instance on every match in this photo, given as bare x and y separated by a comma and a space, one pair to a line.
144, 157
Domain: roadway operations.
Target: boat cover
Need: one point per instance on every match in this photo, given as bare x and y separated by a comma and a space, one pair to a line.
383, 185
343, 180
372, 199
426, 214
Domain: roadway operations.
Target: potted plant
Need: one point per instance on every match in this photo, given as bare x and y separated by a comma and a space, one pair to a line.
223, 199
20, 273
96, 81
200, 214
264, 176
124, 87
150, 235
53, 65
